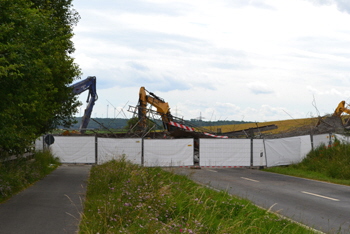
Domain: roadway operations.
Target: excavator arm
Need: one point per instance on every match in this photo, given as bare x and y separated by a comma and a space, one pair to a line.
177, 129
341, 109
88, 84
162, 107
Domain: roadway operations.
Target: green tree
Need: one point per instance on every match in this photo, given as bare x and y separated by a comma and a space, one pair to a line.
35, 70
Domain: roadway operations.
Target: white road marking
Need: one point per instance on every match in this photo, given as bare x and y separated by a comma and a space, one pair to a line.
211, 170
249, 179
317, 195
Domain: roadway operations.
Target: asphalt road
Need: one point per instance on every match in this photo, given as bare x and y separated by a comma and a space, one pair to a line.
52, 205
323, 206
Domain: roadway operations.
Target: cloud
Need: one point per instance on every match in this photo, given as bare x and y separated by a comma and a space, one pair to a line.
234, 65
254, 3
139, 7
327, 92
259, 88
241, 59
137, 66
342, 5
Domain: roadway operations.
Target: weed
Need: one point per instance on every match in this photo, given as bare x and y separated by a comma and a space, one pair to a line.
326, 163
18, 174
126, 198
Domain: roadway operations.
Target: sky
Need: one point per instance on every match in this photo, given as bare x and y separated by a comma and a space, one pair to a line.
244, 60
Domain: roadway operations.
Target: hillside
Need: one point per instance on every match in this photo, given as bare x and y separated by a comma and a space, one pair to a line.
283, 128
292, 127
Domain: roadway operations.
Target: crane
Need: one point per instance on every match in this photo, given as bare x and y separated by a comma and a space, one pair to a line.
88, 84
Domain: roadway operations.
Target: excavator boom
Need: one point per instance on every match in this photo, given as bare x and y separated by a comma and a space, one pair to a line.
162, 107
341, 109
88, 84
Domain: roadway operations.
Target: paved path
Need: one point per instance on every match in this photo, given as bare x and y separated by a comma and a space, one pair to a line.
52, 205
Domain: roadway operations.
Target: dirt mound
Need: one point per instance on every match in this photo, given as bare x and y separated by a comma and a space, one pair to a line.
328, 124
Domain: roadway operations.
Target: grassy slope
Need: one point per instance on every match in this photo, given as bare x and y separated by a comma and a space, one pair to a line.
331, 164
126, 198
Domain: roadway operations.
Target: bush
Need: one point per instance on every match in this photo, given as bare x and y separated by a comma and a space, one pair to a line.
17, 175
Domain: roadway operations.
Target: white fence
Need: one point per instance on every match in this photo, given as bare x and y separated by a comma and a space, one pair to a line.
168, 152
111, 148
180, 152
224, 152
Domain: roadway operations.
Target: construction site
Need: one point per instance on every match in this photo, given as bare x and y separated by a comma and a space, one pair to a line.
155, 137
152, 118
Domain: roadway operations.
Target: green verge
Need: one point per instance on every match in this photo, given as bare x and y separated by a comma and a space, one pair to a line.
127, 198
16, 175
325, 163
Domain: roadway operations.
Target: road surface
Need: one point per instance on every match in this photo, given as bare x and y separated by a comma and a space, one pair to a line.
323, 206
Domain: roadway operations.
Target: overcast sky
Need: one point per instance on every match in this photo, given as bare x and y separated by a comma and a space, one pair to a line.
251, 60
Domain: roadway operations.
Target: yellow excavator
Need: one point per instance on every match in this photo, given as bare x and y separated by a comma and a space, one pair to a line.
341, 109
336, 121
162, 107
174, 126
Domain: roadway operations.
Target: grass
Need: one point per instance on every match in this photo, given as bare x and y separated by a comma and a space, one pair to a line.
326, 163
16, 175
127, 198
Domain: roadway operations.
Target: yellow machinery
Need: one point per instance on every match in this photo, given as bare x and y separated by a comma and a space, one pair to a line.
163, 109
341, 109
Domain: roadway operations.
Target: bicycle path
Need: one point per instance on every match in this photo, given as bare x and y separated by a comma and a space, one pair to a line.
52, 205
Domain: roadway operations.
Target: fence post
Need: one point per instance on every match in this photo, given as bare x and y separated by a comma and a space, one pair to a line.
312, 141
96, 149
330, 140
142, 151
265, 151
251, 134
251, 151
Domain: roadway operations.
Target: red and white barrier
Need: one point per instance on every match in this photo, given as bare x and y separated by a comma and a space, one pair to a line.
192, 129
212, 135
181, 126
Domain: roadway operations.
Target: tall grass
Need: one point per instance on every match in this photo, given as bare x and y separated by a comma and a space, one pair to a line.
17, 175
126, 198
326, 163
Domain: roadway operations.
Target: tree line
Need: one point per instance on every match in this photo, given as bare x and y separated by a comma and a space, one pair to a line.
36, 69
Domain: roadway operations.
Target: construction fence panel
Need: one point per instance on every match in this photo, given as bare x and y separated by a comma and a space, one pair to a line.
343, 138
305, 146
259, 156
39, 143
224, 152
324, 139
283, 151
180, 152
168, 152
112, 148
74, 149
